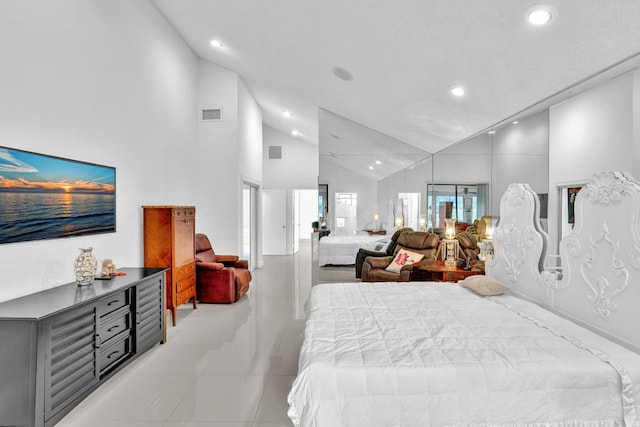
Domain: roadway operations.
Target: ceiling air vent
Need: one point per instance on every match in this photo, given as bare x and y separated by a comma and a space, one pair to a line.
212, 115
275, 152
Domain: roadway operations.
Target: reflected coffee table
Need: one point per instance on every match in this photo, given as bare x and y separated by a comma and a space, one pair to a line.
436, 271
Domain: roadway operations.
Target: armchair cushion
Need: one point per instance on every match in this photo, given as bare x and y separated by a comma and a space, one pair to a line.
212, 266
403, 258
379, 262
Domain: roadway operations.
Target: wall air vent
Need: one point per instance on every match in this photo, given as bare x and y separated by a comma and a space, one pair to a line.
212, 115
275, 151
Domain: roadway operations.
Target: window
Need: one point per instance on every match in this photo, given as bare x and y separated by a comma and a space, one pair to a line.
346, 214
464, 202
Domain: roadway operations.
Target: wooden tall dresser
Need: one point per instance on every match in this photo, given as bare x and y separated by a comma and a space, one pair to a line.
169, 242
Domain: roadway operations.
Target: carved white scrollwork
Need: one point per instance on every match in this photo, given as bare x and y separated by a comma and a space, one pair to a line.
514, 241
602, 288
606, 188
515, 194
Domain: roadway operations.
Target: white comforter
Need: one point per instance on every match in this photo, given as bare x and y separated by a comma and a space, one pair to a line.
342, 250
434, 354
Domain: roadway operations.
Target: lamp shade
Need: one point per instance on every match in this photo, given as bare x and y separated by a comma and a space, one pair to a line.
488, 229
450, 228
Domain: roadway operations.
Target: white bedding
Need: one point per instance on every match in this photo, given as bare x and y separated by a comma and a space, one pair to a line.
342, 250
432, 354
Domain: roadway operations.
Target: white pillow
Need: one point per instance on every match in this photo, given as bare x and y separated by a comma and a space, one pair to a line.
484, 285
402, 258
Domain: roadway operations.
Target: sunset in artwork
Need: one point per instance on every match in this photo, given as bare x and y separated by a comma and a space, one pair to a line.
45, 197
23, 171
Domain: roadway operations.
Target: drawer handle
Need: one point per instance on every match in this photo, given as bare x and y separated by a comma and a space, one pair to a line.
113, 328
115, 301
113, 353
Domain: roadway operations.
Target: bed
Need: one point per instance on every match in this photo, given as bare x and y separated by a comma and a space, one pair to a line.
342, 250
554, 351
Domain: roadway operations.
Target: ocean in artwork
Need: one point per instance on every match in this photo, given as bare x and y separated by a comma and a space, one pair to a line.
47, 197
32, 215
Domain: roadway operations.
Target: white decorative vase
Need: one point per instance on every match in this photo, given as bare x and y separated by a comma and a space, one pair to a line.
85, 267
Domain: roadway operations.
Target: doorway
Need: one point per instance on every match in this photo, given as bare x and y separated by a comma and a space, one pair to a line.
250, 224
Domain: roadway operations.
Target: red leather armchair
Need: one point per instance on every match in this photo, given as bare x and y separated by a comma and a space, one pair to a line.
219, 278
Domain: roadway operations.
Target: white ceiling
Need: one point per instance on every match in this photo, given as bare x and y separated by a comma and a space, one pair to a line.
404, 55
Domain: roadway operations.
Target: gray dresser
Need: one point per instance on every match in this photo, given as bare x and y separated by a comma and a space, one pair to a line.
58, 345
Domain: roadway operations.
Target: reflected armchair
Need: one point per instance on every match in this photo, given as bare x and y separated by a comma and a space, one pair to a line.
389, 251
219, 278
374, 268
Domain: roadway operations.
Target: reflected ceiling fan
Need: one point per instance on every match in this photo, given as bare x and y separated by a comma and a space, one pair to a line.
465, 191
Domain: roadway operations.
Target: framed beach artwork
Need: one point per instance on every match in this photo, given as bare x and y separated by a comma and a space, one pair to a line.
47, 197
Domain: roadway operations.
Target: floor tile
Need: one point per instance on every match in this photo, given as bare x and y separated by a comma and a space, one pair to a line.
221, 398
273, 406
224, 365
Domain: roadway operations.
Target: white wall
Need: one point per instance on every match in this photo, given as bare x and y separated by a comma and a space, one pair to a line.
217, 158
107, 82
520, 153
228, 152
298, 167
589, 133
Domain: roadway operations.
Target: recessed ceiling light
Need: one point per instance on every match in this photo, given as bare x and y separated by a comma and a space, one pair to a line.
491, 132
295, 133
515, 122
287, 114
343, 74
378, 162
541, 14
371, 168
458, 90
216, 43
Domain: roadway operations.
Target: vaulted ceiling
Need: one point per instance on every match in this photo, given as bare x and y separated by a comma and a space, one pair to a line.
404, 56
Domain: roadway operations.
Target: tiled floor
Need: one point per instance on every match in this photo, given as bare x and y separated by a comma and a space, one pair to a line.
223, 365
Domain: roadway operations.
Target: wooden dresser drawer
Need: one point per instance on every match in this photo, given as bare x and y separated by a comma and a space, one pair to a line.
185, 271
186, 295
187, 212
112, 303
186, 283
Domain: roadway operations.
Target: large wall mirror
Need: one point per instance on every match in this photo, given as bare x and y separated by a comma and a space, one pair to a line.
354, 159
565, 138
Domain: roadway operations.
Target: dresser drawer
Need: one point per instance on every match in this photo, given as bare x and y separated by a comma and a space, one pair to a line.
186, 283
112, 303
113, 327
186, 212
185, 271
112, 354
185, 296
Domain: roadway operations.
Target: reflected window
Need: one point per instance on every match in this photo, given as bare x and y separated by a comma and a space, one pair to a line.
464, 202
346, 214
